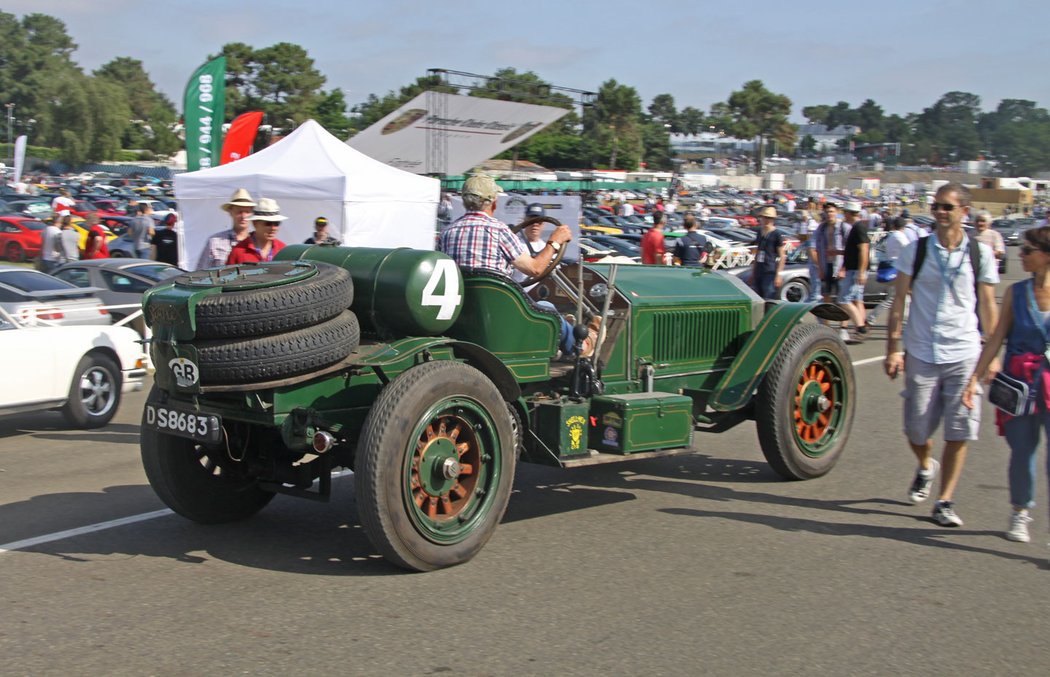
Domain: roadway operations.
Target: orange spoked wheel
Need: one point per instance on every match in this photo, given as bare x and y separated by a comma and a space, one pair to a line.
815, 402
804, 406
435, 465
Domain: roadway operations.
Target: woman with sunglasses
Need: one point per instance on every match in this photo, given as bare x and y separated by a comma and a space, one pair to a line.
1024, 323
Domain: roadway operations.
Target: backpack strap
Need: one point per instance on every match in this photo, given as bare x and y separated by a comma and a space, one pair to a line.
975, 261
920, 256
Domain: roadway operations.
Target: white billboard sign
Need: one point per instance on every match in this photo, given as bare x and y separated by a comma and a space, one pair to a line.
470, 130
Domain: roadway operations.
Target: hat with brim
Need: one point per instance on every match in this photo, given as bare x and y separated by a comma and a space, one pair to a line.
852, 207
267, 210
482, 186
241, 198
768, 212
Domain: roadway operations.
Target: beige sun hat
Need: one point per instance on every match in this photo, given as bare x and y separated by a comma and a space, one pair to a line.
482, 186
267, 210
768, 212
241, 198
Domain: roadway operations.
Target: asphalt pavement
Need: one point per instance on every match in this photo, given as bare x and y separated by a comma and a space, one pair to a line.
698, 564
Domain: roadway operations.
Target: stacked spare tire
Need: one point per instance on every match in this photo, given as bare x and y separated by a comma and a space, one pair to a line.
266, 321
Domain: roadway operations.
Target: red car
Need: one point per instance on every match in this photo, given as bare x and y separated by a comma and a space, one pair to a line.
20, 237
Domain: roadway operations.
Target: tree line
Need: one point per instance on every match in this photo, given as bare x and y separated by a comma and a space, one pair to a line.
104, 114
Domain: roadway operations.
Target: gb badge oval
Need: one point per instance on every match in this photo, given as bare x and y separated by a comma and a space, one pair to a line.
186, 373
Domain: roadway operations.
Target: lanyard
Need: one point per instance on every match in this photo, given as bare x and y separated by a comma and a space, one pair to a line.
947, 274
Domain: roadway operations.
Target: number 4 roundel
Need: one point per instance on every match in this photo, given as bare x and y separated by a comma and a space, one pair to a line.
445, 277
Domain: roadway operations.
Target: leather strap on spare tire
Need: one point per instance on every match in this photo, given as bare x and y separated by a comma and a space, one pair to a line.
268, 358
268, 298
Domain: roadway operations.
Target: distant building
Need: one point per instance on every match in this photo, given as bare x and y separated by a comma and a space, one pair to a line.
827, 139
709, 143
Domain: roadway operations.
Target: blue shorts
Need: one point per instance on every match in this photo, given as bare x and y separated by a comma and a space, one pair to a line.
850, 289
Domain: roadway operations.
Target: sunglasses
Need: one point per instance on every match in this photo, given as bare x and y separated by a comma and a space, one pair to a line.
942, 206
1027, 249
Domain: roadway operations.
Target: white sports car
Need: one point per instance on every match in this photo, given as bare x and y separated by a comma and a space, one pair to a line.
82, 370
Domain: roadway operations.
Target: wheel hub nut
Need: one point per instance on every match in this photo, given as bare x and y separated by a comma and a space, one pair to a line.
450, 468
823, 403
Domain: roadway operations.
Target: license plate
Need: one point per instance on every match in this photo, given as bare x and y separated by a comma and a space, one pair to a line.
184, 423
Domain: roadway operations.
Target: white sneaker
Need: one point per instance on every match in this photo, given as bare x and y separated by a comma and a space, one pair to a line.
844, 335
920, 486
944, 514
1018, 530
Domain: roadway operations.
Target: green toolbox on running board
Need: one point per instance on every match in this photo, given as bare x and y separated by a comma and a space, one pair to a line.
625, 424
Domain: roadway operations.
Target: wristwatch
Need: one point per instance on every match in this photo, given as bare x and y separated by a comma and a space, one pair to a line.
555, 245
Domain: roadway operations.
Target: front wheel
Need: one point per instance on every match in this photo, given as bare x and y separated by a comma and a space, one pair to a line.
795, 290
198, 481
435, 466
804, 408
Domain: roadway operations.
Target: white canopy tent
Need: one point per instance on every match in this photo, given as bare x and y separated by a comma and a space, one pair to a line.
312, 173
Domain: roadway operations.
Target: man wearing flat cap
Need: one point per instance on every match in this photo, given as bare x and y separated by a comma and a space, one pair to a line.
478, 240
217, 249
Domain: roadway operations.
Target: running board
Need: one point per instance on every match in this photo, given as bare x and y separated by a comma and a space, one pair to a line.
598, 458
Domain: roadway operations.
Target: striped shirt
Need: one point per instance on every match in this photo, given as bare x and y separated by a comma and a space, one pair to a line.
217, 249
479, 241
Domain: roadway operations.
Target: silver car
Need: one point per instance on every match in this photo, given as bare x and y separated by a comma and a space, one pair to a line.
37, 298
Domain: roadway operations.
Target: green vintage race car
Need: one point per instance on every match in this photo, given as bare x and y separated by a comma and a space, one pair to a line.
431, 383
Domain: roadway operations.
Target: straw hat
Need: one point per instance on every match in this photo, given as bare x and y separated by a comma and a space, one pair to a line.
768, 212
852, 206
267, 210
241, 198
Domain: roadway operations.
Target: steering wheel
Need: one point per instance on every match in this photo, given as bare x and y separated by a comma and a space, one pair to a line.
558, 255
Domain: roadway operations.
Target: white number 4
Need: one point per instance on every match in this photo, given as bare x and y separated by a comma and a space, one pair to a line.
444, 269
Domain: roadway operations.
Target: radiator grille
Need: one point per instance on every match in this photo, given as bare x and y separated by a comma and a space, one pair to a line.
691, 335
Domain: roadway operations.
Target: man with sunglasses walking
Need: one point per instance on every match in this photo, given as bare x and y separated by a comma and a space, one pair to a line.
941, 343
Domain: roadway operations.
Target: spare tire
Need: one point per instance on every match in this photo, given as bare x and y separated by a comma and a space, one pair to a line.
268, 298
269, 358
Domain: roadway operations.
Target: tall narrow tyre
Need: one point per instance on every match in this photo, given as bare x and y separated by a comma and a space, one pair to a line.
269, 298
195, 480
94, 394
268, 358
435, 466
804, 408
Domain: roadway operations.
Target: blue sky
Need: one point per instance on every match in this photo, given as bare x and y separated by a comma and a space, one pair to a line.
902, 53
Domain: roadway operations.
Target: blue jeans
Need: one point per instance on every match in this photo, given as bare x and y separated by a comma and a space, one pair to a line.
1022, 434
765, 284
815, 286
567, 341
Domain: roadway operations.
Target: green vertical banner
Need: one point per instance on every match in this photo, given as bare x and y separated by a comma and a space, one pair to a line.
204, 111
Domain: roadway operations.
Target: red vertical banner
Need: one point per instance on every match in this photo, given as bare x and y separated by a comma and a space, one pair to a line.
241, 137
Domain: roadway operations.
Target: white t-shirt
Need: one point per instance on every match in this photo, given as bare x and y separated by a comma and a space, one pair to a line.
534, 247
62, 203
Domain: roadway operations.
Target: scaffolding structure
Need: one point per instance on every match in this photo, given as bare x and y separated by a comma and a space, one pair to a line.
444, 81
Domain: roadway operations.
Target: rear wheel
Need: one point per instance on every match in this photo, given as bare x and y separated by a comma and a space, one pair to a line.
94, 394
435, 467
198, 481
804, 408
15, 253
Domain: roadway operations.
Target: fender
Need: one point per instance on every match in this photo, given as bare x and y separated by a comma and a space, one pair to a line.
751, 364
471, 353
